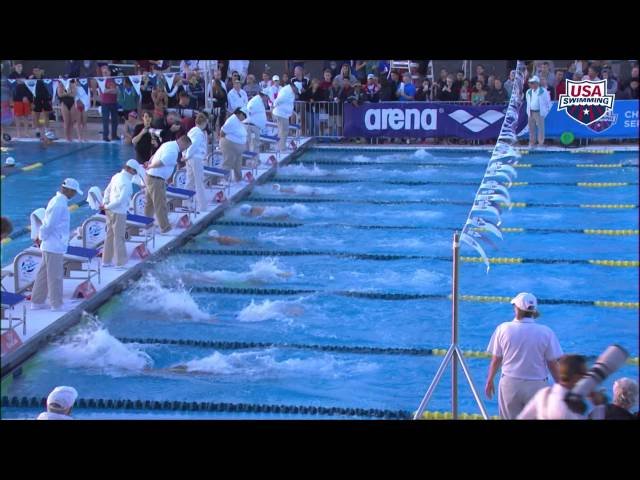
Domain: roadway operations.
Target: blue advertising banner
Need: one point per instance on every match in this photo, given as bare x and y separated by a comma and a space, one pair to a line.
425, 119
622, 122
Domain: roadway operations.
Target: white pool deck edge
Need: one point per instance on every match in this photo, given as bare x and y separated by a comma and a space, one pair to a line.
43, 325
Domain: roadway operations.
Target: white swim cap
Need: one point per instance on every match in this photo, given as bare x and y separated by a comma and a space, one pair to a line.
10, 162
276, 187
245, 209
213, 233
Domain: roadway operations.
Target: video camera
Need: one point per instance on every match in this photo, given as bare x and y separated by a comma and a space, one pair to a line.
607, 363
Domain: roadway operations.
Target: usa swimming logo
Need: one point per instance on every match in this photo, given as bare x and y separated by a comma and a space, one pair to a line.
586, 101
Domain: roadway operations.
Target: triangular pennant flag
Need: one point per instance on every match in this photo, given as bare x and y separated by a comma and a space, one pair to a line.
118, 80
85, 84
135, 81
31, 85
169, 77
152, 75
11, 80
481, 223
102, 83
475, 245
65, 83
484, 206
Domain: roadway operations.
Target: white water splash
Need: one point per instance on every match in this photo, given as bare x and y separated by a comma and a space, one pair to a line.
297, 210
282, 310
266, 270
302, 170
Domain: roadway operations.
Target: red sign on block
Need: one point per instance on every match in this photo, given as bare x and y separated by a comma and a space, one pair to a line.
293, 145
10, 341
248, 177
272, 160
219, 198
85, 290
184, 222
141, 251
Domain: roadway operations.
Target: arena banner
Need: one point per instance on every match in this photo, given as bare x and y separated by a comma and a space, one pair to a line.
425, 119
621, 122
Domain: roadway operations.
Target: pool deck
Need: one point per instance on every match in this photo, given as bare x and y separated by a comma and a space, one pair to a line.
44, 325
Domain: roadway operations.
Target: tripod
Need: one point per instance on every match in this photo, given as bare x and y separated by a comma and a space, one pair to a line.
454, 354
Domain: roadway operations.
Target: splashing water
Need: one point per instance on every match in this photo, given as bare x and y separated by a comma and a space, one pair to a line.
303, 170
296, 210
94, 347
271, 310
265, 270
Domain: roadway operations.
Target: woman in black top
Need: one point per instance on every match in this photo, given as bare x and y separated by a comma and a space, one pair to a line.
312, 109
144, 143
146, 87
219, 95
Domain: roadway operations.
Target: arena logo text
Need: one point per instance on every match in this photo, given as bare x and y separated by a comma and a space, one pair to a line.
401, 119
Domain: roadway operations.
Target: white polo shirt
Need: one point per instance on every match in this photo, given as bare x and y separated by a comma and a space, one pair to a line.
525, 348
236, 99
257, 113
198, 148
548, 404
168, 155
54, 231
534, 99
234, 130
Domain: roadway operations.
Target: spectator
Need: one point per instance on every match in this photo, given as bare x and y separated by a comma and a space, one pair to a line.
234, 76
390, 87
177, 88
189, 66
498, 93
87, 69
6, 227
251, 88
592, 74
109, 106
266, 81
194, 88
130, 126
635, 73
194, 157
490, 83
170, 126
442, 80
612, 83
407, 90
146, 92
219, 97
160, 101
372, 89
115, 203
345, 74
54, 237
145, 144
548, 403
360, 71
447, 93
544, 71
538, 107
274, 89
237, 98
42, 107
282, 110
423, 93
159, 170
560, 85
240, 66
479, 71
233, 140
334, 66
22, 99
335, 92
186, 113
357, 96
465, 92
508, 85
59, 404
577, 76
457, 84
302, 83
313, 95
525, 350
478, 94
383, 67
159, 66
625, 397
284, 79
128, 98
346, 92
545, 86
256, 120
631, 92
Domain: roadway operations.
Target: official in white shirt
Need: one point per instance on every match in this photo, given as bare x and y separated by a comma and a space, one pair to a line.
549, 402
195, 156
236, 98
160, 169
257, 119
54, 236
282, 110
233, 140
59, 404
538, 107
115, 202
527, 352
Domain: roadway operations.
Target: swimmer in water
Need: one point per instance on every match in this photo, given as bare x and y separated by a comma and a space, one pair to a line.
215, 236
247, 210
293, 190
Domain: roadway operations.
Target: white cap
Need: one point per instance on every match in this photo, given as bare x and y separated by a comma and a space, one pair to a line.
275, 77
133, 163
72, 183
525, 301
534, 79
371, 75
62, 398
276, 187
245, 208
213, 233
10, 161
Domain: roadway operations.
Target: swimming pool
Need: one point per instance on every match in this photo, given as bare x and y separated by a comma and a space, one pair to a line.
332, 312
24, 191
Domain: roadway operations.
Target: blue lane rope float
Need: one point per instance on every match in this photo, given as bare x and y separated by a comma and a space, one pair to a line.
389, 257
463, 164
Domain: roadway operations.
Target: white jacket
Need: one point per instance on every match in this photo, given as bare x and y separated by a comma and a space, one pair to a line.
198, 148
236, 99
257, 112
54, 231
548, 404
118, 193
544, 99
283, 104
53, 416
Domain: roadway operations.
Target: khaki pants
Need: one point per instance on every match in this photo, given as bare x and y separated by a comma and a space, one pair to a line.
536, 121
195, 181
49, 280
114, 243
283, 131
155, 198
514, 394
232, 155
253, 138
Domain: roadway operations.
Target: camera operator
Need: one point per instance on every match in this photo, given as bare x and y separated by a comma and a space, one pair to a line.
170, 127
549, 403
144, 142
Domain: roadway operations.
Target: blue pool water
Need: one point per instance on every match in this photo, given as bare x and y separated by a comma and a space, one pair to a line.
23, 192
169, 302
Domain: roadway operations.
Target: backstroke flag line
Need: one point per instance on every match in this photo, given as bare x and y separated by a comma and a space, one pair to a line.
485, 215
